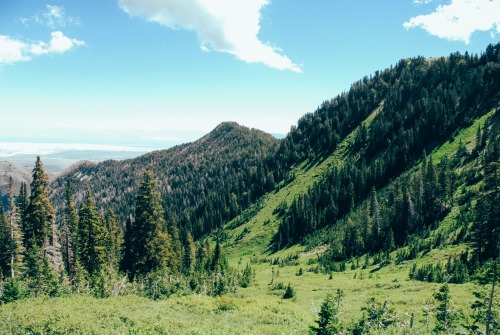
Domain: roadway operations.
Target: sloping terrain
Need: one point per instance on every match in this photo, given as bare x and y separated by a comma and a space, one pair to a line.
203, 184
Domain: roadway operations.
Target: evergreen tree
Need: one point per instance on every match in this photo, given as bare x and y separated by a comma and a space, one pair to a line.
478, 139
68, 233
219, 262
289, 292
127, 257
15, 244
4, 245
176, 256
40, 231
189, 253
430, 200
91, 233
40, 214
150, 246
485, 232
485, 311
445, 316
328, 322
114, 239
376, 221
22, 207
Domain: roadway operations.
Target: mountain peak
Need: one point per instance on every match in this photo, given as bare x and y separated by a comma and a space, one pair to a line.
226, 127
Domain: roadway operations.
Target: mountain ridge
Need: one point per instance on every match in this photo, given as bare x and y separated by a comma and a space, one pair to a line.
232, 145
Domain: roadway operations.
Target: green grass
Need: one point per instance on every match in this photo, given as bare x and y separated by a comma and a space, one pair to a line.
264, 225
257, 309
253, 310
134, 315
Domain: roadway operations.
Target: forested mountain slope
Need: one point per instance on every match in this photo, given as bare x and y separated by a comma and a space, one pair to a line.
203, 184
422, 103
413, 165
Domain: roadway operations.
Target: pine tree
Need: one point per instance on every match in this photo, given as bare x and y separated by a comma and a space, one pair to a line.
39, 214
376, 221
176, 257
431, 207
91, 233
43, 258
15, 245
127, 253
189, 253
485, 232
478, 139
328, 322
68, 233
4, 245
219, 262
114, 239
22, 206
150, 248
445, 316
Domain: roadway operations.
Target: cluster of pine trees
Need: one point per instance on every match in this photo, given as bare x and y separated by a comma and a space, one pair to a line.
90, 252
404, 214
456, 271
425, 102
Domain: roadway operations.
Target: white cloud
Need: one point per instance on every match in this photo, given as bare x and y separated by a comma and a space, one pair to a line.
230, 26
58, 44
53, 17
460, 19
12, 51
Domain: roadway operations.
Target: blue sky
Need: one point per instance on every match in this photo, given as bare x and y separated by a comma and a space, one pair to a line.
153, 73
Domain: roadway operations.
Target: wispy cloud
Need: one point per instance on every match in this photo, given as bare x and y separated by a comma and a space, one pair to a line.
14, 50
230, 26
53, 17
458, 20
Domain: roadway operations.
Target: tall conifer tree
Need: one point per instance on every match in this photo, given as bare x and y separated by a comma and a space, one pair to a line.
39, 214
91, 247
4, 245
68, 232
114, 239
22, 206
15, 245
150, 248
127, 256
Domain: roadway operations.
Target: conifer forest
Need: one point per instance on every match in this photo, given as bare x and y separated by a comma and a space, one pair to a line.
378, 213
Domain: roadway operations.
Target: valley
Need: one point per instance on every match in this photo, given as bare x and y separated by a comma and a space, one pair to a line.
388, 191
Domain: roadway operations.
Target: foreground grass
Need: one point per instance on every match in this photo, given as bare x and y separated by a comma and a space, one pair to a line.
258, 309
134, 315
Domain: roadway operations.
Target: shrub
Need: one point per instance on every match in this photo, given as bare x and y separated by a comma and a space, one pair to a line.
289, 292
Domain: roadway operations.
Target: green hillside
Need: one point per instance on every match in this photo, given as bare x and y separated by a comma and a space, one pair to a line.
364, 216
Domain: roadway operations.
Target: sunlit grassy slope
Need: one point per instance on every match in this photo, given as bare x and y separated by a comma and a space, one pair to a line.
260, 308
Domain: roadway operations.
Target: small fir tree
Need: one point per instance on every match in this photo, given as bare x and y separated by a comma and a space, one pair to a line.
91, 235
328, 322
445, 316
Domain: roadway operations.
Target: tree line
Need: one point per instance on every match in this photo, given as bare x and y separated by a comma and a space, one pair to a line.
90, 252
417, 105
